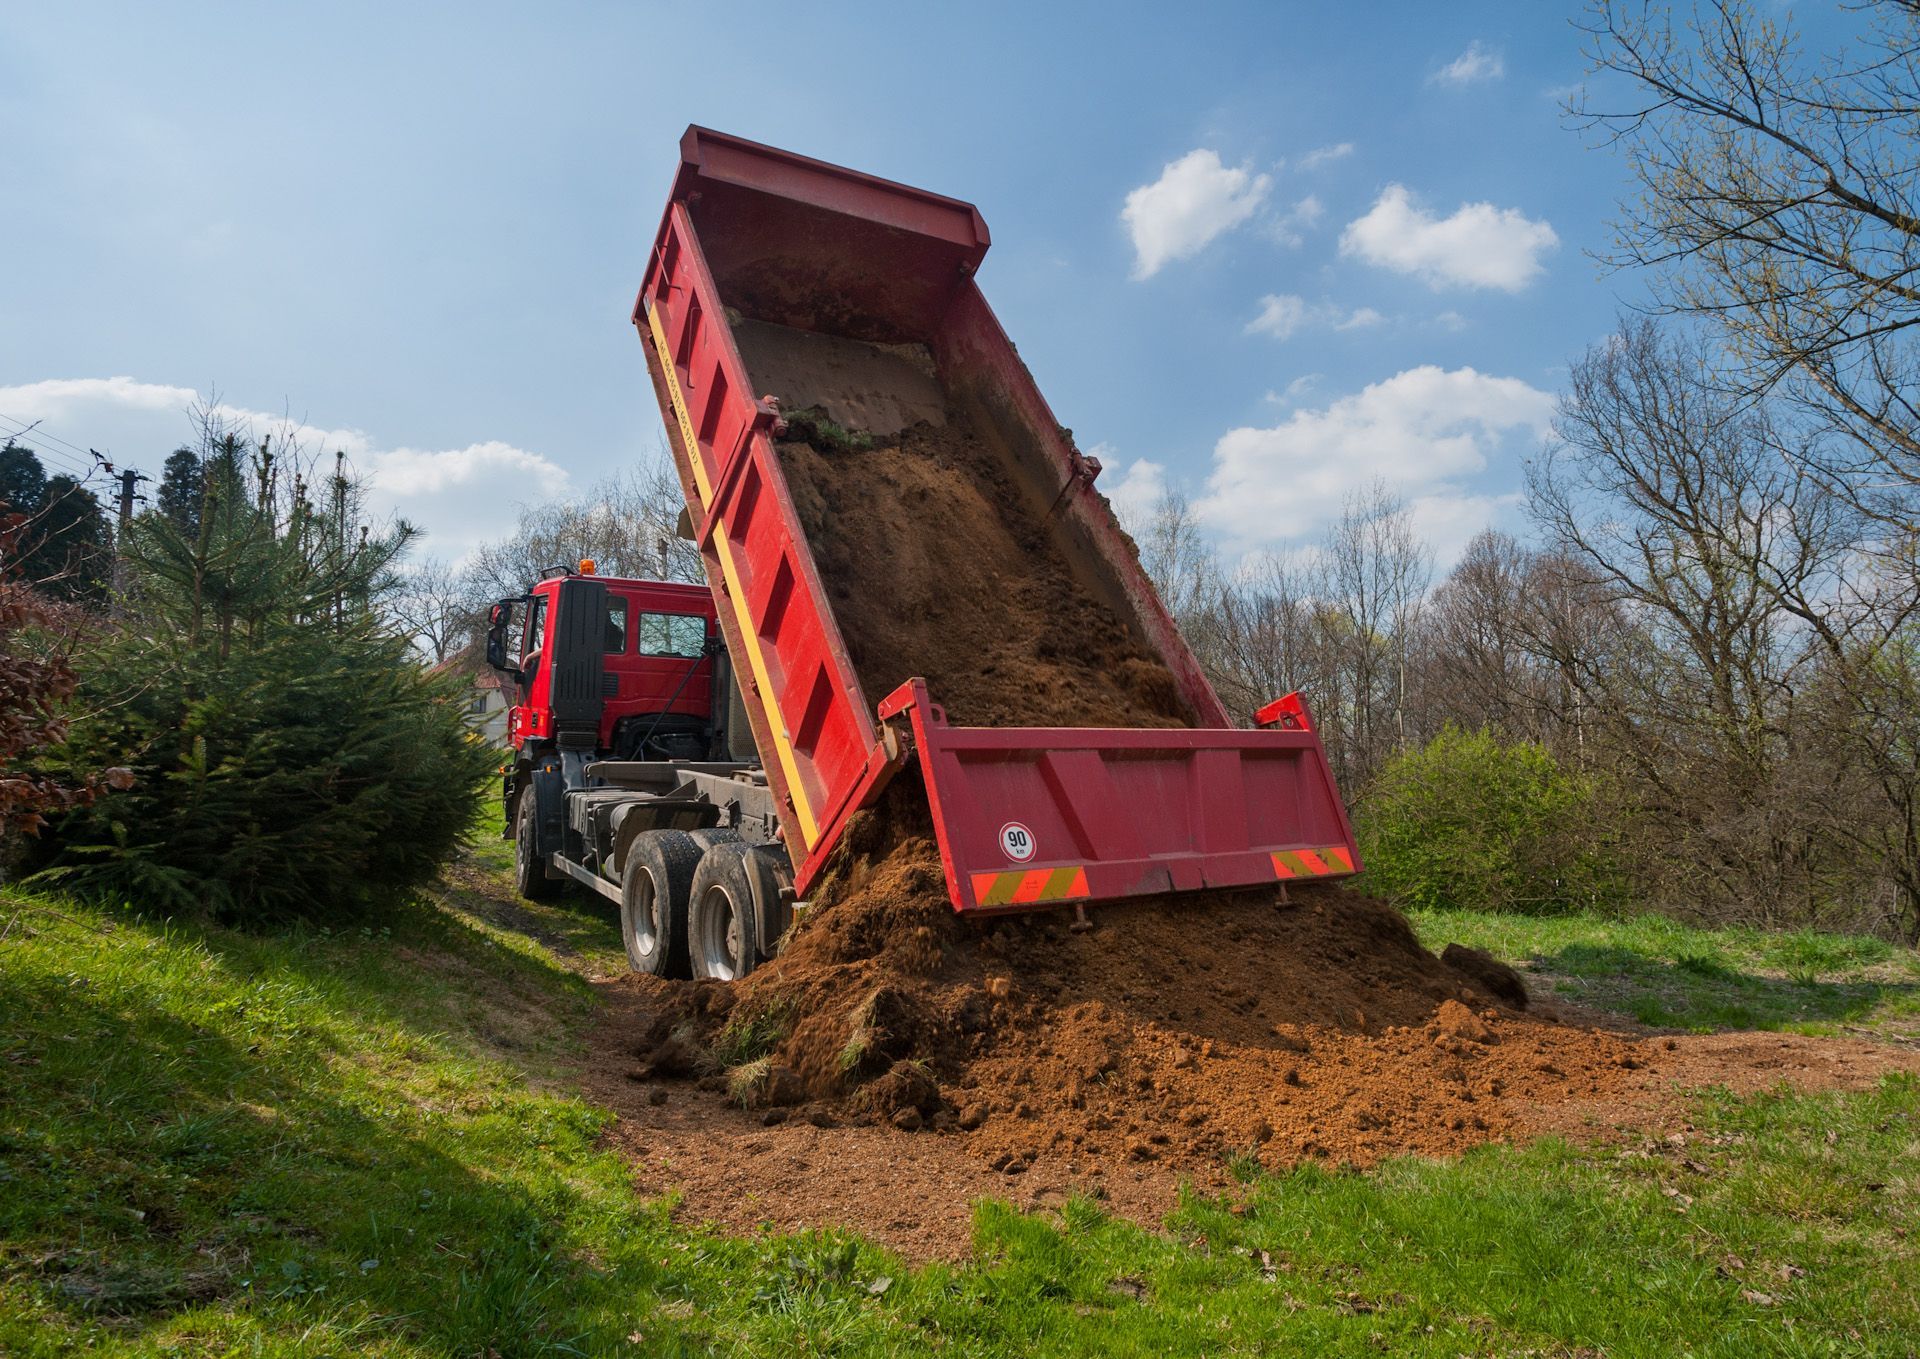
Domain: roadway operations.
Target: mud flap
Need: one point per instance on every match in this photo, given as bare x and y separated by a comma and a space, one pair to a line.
549, 789
770, 877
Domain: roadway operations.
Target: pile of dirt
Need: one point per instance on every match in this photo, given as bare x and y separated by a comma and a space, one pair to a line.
1179, 1031
938, 566
1185, 1030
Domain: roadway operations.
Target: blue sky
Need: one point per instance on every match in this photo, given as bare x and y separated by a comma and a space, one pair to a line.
1259, 252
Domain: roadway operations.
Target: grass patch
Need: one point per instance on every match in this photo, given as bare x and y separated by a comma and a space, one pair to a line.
814, 426
299, 1144
750, 1036
1673, 975
748, 1081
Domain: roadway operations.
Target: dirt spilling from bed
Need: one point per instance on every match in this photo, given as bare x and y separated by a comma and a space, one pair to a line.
1186, 1031
1182, 1031
938, 566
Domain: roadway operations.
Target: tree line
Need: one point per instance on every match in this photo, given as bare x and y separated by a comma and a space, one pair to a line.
1709, 622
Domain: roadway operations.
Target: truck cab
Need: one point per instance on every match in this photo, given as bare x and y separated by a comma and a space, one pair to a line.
624, 773
637, 662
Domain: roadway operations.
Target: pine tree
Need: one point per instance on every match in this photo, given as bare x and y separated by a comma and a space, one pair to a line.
62, 545
71, 554
292, 758
23, 481
181, 485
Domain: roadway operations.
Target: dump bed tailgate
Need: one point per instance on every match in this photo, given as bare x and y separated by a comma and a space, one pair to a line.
1033, 816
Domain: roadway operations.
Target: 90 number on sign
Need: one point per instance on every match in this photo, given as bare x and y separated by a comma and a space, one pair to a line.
1016, 842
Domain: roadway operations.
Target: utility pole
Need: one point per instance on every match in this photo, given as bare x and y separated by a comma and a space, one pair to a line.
128, 479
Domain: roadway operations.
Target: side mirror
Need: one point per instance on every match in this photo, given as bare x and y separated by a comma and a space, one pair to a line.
498, 617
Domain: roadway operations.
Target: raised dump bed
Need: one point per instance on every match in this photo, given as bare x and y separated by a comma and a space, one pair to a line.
894, 525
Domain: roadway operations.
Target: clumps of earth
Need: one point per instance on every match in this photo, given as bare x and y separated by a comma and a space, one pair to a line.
1182, 1030
1179, 1030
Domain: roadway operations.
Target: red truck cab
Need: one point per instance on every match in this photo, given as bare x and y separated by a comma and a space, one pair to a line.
650, 682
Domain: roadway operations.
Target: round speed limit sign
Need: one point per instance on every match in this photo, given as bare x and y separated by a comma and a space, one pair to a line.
1016, 842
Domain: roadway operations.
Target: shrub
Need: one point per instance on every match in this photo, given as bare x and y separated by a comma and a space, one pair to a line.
1468, 821
290, 756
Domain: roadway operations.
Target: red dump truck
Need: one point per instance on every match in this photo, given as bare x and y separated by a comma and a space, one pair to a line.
758, 248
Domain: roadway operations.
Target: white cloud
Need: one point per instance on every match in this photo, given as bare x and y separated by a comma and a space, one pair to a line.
1133, 487
1290, 228
1194, 200
1282, 315
1296, 389
1324, 155
1424, 432
413, 472
457, 495
1472, 66
1479, 246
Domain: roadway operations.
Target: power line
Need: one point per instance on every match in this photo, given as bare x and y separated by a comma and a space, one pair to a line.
85, 457
81, 461
46, 434
55, 460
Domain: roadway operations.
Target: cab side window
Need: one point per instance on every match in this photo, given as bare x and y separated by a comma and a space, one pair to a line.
616, 626
672, 634
536, 636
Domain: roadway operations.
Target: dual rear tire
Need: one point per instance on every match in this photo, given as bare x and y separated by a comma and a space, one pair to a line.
688, 905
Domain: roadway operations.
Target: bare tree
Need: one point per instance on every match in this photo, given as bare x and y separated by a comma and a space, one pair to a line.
1781, 199
437, 607
1267, 635
1477, 662
1336, 621
1176, 556
626, 524
1673, 509
1372, 575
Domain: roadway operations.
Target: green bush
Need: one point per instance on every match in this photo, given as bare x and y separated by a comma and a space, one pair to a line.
1470, 822
291, 757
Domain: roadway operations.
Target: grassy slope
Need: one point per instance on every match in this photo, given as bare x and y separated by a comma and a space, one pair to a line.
213, 1143
1669, 974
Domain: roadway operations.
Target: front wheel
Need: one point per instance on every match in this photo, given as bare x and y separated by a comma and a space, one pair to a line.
529, 868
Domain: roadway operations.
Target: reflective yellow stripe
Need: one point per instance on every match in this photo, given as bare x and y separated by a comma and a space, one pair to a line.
1312, 863
763, 680
687, 438
1050, 884
783, 744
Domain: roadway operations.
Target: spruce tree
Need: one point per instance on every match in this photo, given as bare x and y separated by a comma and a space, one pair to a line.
23, 481
291, 756
181, 486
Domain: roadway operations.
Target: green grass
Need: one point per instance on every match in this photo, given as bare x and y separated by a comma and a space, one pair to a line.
302, 1144
1672, 975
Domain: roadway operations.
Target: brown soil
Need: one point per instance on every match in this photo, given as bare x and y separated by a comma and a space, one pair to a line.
929, 1060
937, 566
873, 387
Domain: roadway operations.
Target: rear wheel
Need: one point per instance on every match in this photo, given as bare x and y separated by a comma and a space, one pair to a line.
529, 869
722, 935
654, 882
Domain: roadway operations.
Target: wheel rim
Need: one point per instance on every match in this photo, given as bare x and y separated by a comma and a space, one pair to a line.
646, 927
719, 935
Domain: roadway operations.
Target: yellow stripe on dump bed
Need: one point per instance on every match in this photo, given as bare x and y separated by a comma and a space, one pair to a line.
687, 438
737, 596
